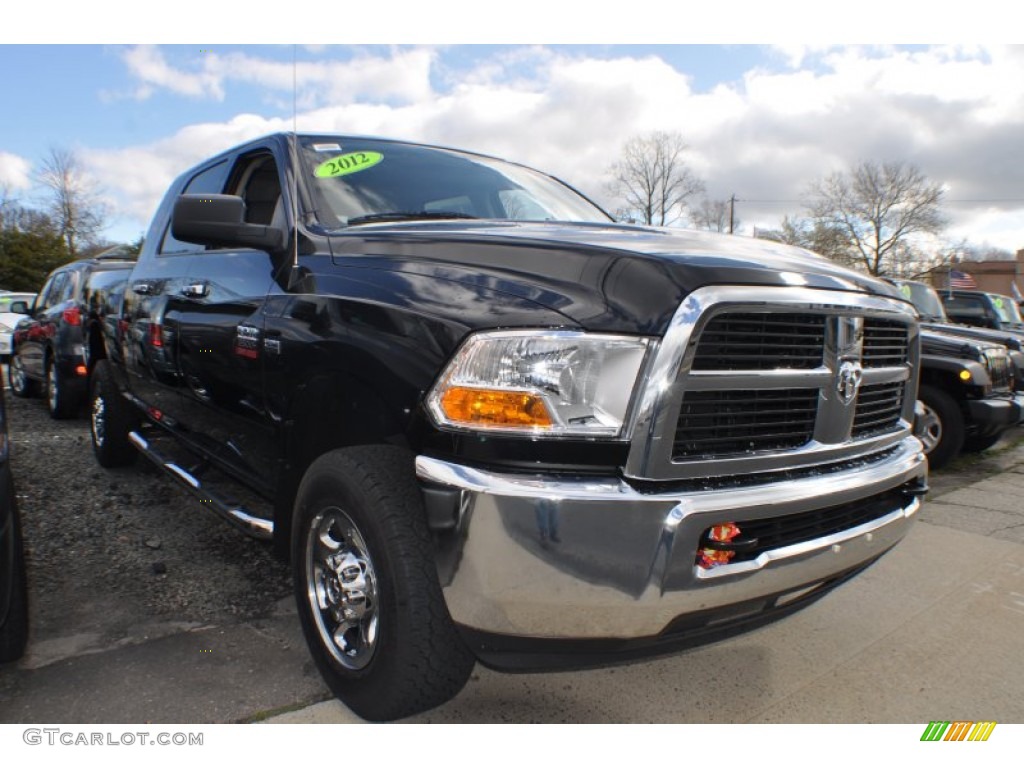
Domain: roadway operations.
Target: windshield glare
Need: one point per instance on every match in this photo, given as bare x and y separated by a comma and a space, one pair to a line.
354, 178
924, 298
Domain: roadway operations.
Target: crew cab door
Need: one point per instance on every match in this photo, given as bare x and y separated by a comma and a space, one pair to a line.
153, 300
221, 333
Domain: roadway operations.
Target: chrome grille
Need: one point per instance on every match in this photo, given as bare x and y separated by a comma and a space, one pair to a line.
885, 343
760, 380
760, 341
999, 369
878, 409
717, 423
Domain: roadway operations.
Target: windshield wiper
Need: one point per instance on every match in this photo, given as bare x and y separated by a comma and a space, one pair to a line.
407, 216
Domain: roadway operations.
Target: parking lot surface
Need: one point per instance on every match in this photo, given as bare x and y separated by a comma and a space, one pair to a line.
147, 609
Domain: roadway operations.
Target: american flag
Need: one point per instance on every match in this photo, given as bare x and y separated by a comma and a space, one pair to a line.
961, 280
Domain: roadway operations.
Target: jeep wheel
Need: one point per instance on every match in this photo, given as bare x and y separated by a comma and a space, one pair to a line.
981, 441
21, 384
945, 426
366, 586
58, 401
110, 420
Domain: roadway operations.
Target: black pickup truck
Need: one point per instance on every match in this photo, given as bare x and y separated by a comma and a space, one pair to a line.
487, 422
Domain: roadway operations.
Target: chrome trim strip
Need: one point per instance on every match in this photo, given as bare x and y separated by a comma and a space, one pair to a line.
813, 378
888, 375
183, 474
906, 462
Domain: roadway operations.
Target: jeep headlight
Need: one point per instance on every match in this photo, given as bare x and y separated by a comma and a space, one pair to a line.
564, 383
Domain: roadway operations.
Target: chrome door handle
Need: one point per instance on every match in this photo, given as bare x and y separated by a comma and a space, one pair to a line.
196, 290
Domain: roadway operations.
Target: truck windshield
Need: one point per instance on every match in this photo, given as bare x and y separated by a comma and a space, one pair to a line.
1006, 308
925, 300
363, 181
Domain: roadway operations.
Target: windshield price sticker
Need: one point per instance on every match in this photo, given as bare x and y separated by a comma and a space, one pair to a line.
998, 302
905, 290
342, 165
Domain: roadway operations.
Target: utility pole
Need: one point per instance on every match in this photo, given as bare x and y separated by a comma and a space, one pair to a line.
732, 208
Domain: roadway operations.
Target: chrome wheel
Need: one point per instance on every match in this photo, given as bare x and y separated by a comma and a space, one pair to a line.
99, 421
341, 587
18, 381
929, 430
52, 387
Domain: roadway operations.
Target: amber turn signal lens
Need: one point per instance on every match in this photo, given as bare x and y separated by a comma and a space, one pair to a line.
965, 375
494, 407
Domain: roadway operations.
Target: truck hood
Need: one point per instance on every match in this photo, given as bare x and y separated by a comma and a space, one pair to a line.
1006, 338
946, 344
608, 277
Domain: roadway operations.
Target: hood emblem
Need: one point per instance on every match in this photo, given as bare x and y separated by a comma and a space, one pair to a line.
848, 381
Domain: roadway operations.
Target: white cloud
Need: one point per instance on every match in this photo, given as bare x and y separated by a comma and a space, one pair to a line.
403, 76
958, 113
149, 65
15, 172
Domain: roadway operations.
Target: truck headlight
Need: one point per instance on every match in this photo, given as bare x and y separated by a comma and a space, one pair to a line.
564, 383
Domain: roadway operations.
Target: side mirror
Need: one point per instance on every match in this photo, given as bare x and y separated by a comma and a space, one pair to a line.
19, 307
219, 221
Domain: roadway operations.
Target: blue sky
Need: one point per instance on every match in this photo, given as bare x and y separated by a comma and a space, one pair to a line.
93, 83
762, 121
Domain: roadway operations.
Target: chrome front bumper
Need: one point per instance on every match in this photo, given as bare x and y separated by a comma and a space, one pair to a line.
595, 558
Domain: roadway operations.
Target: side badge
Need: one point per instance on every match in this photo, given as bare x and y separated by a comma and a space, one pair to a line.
247, 342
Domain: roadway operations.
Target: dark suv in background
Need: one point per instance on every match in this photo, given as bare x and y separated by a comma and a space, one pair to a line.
986, 310
51, 347
968, 378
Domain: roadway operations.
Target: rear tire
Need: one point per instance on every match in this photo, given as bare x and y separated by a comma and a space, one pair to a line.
58, 400
367, 589
944, 412
111, 418
21, 384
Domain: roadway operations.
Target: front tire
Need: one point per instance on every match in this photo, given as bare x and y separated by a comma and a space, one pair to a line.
366, 586
947, 423
110, 420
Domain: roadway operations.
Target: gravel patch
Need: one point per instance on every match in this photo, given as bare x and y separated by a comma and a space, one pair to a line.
117, 556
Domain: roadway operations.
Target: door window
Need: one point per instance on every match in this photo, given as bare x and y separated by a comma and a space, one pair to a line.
54, 291
209, 181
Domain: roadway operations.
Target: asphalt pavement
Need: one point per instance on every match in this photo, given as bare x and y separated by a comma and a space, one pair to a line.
931, 632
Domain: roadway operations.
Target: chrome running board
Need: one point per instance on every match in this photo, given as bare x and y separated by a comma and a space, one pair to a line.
233, 513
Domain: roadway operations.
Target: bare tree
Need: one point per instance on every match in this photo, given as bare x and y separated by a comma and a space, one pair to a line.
73, 200
824, 239
880, 209
714, 216
652, 179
